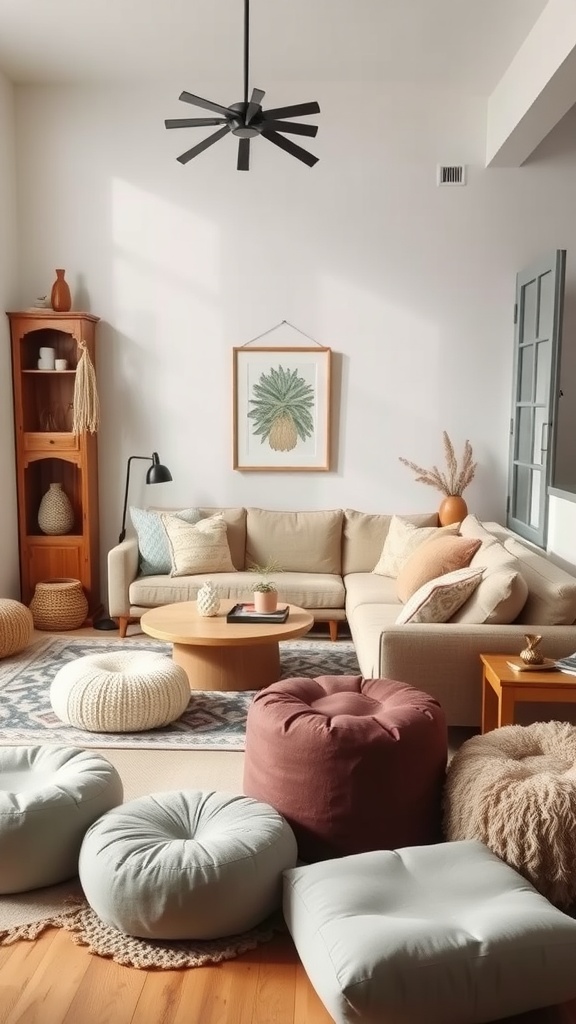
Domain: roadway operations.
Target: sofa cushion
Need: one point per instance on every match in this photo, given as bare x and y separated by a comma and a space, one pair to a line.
443, 554
370, 588
153, 547
235, 519
438, 599
364, 534
551, 597
402, 539
503, 591
307, 590
472, 527
295, 541
197, 547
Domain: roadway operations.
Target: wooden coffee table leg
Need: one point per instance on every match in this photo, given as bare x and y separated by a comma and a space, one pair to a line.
229, 668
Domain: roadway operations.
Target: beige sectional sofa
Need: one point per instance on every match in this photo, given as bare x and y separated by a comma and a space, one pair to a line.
328, 559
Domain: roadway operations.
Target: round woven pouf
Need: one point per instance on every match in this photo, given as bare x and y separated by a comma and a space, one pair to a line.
59, 604
48, 798
120, 692
16, 625
186, 865
515, 789
352, 764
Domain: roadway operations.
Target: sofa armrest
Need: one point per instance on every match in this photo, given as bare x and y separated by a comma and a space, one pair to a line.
444, 660
122, 571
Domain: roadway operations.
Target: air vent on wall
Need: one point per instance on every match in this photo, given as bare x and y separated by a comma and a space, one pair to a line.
451, 175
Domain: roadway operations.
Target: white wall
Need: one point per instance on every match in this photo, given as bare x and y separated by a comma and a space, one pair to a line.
411, 286
9, 572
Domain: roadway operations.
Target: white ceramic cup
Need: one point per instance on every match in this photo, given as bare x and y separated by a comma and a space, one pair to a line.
61, 364
47, 353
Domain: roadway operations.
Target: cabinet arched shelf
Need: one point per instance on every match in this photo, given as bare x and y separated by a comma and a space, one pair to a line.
47, 451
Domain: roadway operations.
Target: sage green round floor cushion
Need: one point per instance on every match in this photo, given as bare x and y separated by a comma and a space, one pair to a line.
49, 796
186, 864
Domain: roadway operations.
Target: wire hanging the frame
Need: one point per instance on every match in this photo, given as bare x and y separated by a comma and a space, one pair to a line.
275, 328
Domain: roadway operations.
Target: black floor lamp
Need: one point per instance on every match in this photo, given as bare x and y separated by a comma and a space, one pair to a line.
156, 474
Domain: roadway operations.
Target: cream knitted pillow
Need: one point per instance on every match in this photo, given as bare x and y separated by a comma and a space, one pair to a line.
402, 539
198, 547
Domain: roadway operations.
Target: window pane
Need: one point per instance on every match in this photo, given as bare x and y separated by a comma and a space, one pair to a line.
524, 440
522, 494
543, 372
540, 437
530, 311
526, 373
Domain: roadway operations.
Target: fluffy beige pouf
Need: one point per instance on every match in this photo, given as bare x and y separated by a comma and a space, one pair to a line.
120, 692
515, 789
16, 626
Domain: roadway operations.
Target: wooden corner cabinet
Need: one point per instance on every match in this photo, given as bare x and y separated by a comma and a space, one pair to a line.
48, 452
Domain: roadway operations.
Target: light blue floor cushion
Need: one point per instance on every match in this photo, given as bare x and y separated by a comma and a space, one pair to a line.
444, 934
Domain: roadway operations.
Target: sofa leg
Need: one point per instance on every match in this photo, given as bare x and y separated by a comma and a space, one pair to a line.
333, 624
123, 621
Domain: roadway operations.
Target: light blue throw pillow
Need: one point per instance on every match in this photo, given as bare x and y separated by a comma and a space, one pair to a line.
152, 540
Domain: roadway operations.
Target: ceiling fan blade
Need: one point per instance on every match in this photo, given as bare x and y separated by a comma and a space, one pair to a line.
290, 147
197, 101
293, 129
298, 110
255, 102
243, 155
185, 157
193, 122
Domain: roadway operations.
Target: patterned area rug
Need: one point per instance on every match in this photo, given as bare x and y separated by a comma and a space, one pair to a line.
213, 720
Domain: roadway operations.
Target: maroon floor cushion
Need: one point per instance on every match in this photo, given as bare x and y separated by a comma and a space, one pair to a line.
353, 764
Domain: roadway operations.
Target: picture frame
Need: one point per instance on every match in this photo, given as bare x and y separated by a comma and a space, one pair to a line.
282, 409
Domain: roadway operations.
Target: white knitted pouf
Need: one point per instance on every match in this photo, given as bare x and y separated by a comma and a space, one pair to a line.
120, 692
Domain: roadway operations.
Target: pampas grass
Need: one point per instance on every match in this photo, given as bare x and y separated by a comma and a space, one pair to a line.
455, 480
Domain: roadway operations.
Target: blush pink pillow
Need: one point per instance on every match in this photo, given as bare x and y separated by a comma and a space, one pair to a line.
432, 559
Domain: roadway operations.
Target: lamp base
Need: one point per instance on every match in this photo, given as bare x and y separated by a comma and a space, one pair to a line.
105, 623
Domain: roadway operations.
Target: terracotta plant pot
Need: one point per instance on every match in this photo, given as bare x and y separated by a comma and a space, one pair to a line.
452, 510
265, 601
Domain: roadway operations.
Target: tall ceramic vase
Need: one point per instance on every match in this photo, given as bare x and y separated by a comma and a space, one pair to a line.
55, 515
452, 510
60, 297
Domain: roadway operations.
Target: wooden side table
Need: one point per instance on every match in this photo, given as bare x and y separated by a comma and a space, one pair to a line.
502, 689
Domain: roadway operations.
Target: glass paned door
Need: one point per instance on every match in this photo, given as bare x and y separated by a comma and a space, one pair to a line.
539, 299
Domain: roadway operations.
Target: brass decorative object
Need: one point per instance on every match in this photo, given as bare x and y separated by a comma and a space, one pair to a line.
530, 655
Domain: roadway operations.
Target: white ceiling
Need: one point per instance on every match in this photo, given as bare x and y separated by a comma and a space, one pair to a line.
460, 44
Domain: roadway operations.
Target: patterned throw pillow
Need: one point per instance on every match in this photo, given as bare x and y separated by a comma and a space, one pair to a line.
153, 548
438, 599
202, 547
402, 539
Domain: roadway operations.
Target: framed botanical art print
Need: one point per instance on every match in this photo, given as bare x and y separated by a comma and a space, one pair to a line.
282, 408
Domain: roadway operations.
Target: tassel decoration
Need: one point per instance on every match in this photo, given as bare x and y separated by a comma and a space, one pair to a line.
86, 407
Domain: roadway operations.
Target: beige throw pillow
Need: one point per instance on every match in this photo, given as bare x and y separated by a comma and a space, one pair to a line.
198, 547
432, 559
497, 601
402, 539
438, 599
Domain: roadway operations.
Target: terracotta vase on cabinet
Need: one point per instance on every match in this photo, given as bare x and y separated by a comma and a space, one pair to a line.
60, 297
452, 510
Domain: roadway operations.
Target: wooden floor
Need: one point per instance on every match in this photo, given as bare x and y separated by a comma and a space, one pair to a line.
51, 980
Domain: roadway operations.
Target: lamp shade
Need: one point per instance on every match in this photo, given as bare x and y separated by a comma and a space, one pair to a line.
157, 473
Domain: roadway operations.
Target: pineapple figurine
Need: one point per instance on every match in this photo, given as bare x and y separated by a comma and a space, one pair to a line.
208, 601
530, 656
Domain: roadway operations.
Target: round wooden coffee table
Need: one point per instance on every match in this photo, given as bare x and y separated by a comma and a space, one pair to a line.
220, 655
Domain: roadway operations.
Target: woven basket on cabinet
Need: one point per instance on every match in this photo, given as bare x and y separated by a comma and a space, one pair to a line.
59, 604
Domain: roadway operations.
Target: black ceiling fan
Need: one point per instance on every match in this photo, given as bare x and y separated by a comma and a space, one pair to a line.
246, 120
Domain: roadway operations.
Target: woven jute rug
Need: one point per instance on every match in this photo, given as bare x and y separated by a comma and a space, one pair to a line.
87, 929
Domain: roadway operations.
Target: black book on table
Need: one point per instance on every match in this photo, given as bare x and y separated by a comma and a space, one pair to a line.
244, 612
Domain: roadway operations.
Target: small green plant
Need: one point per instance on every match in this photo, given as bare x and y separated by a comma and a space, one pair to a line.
265, 586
